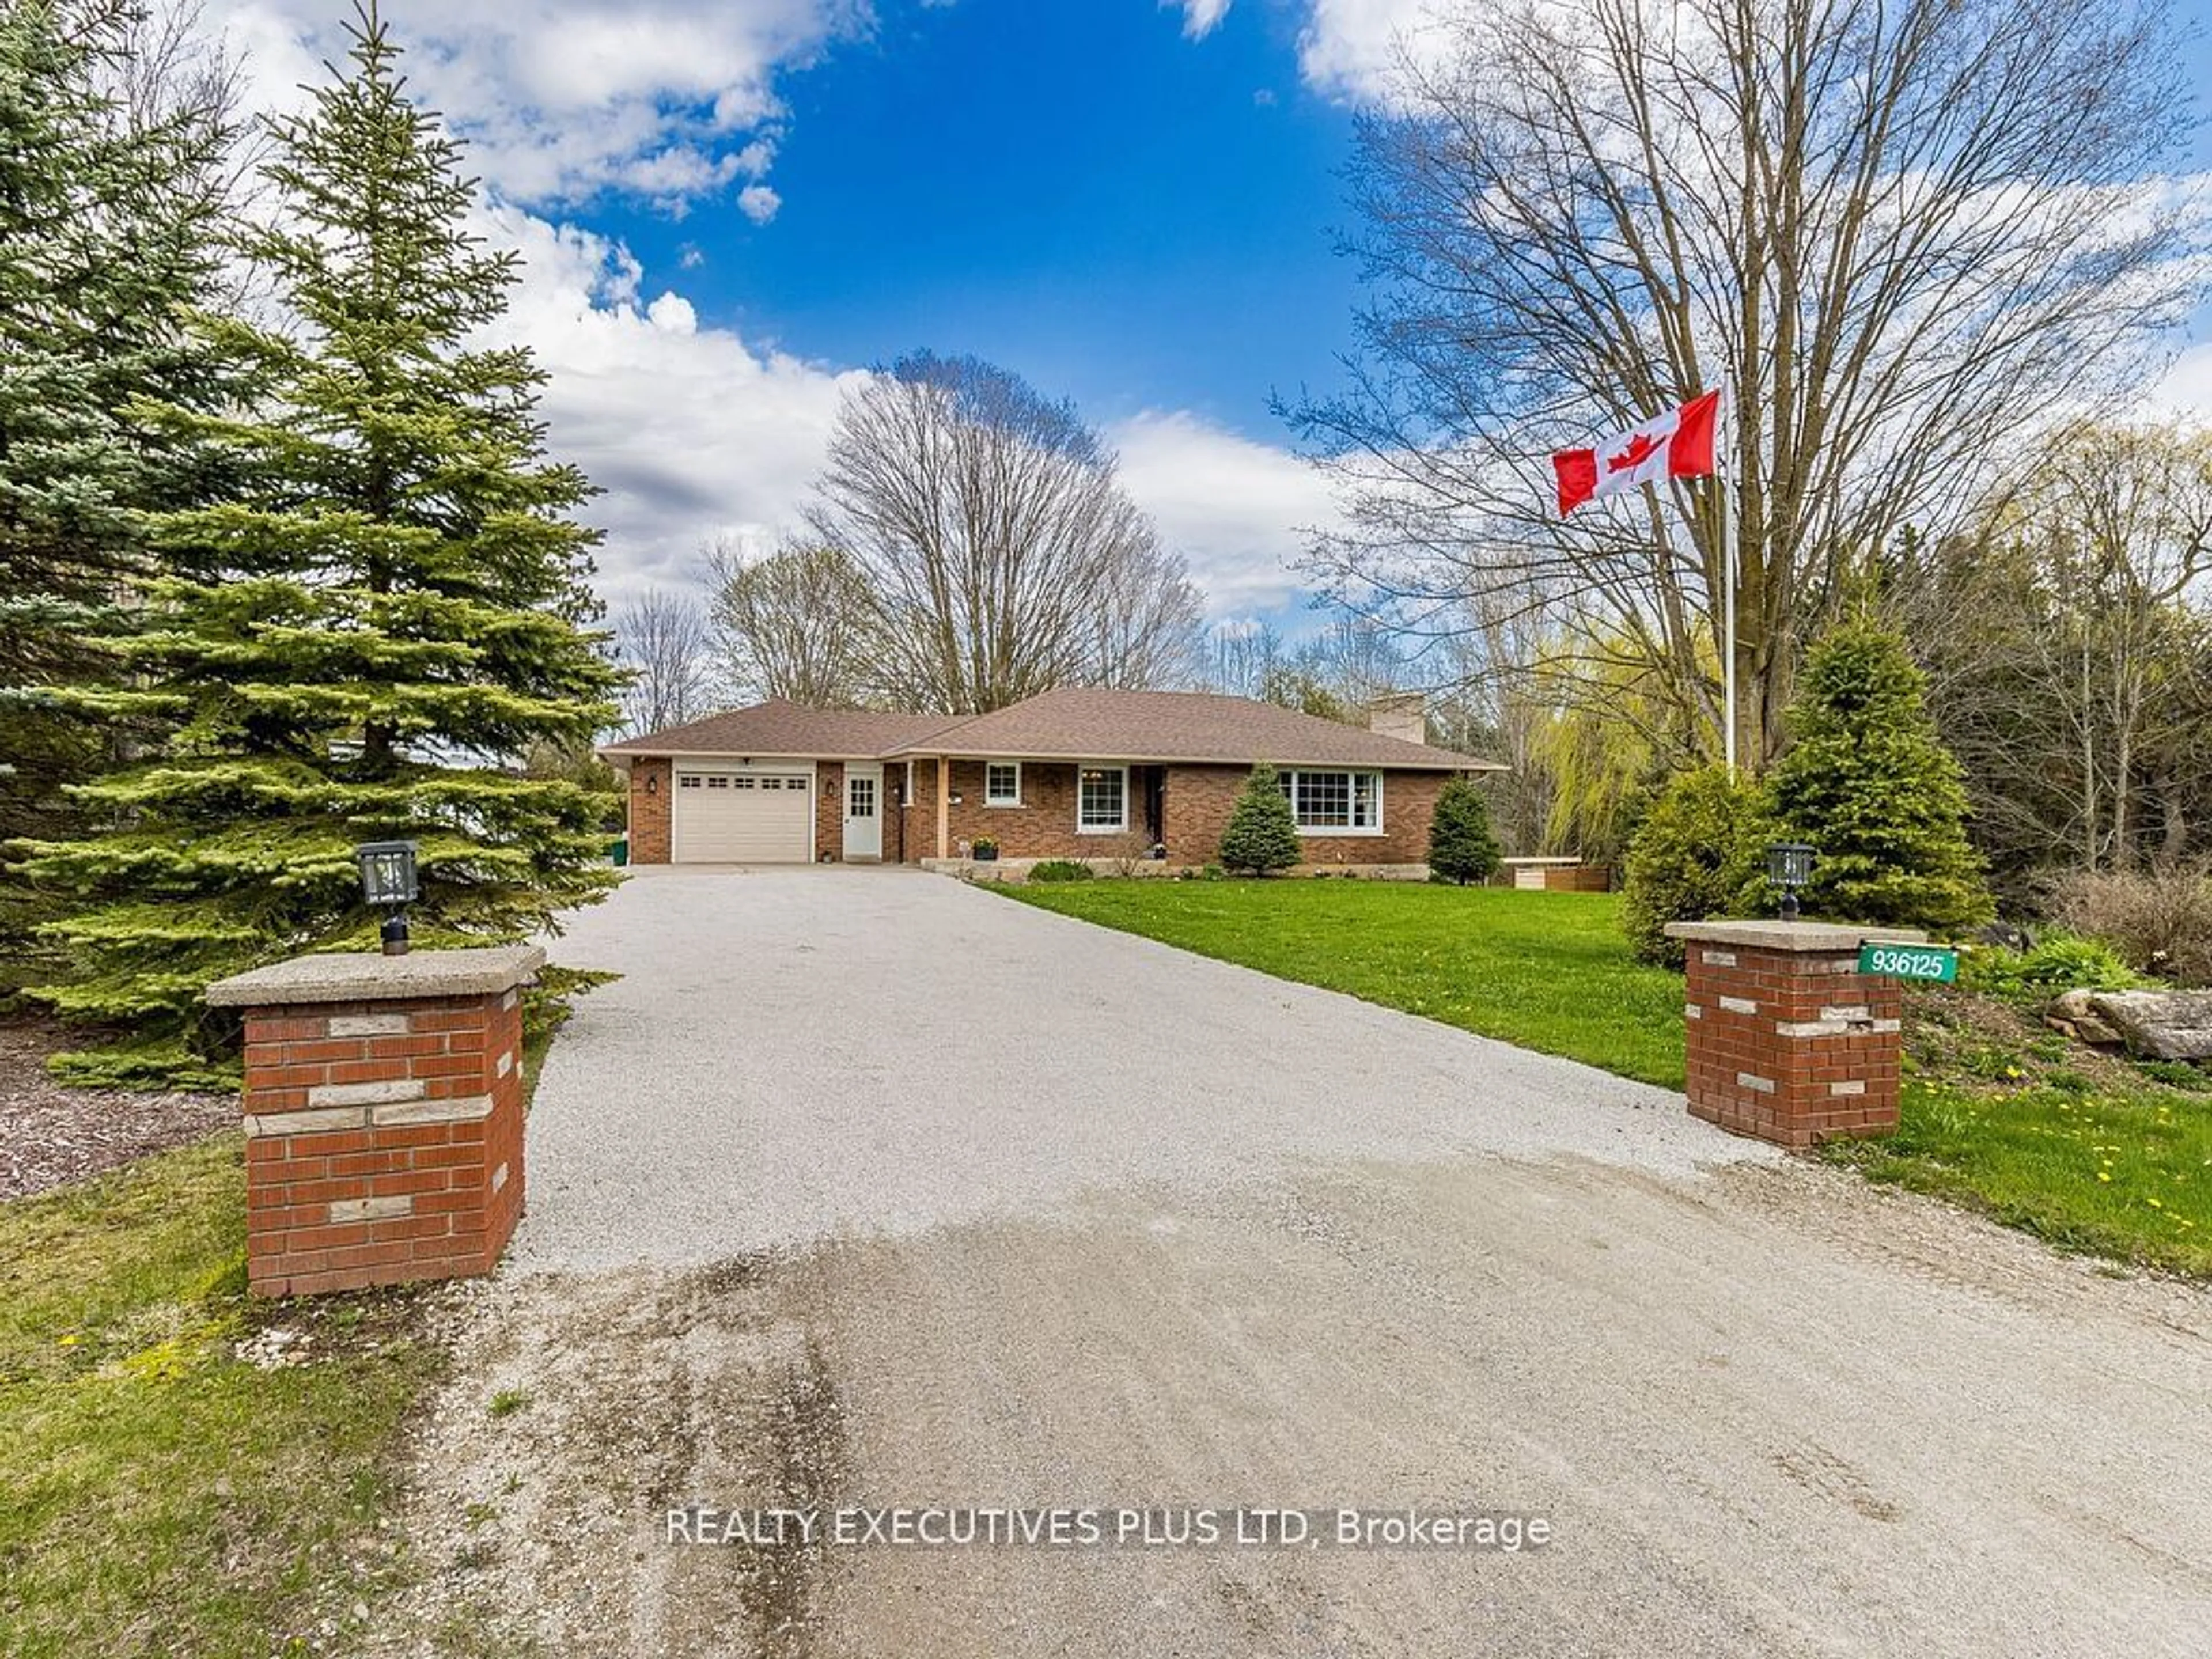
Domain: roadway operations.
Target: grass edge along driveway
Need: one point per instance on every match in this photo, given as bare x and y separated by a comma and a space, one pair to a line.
1546, 971
166, 1496
2089, 1154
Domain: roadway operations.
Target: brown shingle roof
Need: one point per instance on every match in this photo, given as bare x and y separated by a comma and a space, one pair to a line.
1073, 724
784, 729
1070, 724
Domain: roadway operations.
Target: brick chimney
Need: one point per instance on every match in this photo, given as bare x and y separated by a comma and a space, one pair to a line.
1401, 715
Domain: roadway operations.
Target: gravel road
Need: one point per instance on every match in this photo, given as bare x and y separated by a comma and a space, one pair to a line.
864, 1190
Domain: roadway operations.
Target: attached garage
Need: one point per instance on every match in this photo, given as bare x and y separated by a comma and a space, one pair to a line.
724, 813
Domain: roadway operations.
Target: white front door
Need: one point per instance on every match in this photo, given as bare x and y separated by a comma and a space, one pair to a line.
864, 812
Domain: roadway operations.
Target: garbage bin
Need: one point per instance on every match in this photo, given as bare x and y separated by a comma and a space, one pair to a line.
618, 850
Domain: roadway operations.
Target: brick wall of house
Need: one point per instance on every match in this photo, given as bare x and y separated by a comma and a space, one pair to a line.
1792, 1047
829, 810
918, 816
384, 1141
1199, 799
1043, 825
650, 789
1197, 805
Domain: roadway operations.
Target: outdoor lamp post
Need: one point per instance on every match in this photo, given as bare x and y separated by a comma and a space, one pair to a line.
388, 877
1790, 867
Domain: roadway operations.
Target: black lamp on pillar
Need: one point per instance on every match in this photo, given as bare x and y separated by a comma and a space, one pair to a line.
388, 877
1790, 867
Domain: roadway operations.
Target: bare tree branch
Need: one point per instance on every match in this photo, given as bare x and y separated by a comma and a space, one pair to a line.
1003, 556
801, 623
662, 637
1907, 234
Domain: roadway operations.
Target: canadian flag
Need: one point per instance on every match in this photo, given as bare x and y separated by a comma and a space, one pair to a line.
1676, 445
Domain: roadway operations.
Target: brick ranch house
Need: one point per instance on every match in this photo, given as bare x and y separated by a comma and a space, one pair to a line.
1070, 774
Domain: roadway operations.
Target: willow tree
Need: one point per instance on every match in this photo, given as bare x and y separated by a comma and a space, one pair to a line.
363, 640
1905, 233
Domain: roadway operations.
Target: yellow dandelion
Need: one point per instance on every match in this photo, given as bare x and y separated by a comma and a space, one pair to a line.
2104, 1175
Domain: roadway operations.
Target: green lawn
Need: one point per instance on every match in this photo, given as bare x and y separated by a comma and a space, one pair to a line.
163, 1496
2086, 1151
2089, 1153
1546, 971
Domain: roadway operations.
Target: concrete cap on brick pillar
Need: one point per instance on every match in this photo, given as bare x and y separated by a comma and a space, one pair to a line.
366, 977
1811, 938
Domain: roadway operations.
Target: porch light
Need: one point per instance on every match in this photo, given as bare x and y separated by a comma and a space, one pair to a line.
1788, 867
388, 877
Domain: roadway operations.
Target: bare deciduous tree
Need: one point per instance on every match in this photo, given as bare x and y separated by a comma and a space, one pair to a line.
1240, 656
1907, 234
1002, 553
662, 638
2070, 647
799, 623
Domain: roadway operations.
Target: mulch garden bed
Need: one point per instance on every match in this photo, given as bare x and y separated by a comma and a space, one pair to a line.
51, 1135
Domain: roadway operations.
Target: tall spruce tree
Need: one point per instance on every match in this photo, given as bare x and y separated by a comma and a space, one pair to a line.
1870, 786
362, 643
110, 210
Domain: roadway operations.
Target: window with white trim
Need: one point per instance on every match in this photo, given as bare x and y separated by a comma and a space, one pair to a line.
1102, 799
1002, 783
1335, 803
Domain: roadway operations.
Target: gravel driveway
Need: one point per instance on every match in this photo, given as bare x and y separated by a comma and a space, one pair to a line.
793, 1054
863, 1189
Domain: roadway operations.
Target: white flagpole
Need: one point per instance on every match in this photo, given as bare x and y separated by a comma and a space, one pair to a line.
1727, 550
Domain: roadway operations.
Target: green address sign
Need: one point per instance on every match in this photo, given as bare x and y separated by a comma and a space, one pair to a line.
1931, 962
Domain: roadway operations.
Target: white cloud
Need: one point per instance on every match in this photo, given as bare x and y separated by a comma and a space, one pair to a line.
1351, 48
691, 430
2186, 389
759, 203
562, 99
1237, 509
1200, 17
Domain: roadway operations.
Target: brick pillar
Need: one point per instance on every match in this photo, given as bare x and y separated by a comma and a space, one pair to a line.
1787, 1039
383, 1115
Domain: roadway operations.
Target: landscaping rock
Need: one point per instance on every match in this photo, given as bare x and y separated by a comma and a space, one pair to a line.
2158, 1025
2072, 1013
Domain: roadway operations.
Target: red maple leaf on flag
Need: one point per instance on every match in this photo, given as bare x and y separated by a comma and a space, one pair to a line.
1640, 448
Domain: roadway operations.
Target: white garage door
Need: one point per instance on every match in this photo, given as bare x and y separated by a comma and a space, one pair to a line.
730, 814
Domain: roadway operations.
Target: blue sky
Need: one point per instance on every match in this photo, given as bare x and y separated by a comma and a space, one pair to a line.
729, 208
1123, 215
